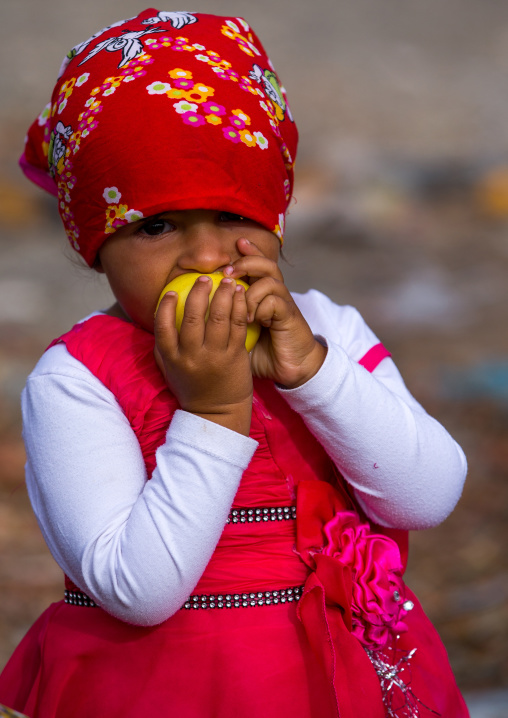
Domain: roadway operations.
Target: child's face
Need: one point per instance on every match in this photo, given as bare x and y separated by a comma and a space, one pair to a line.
141, 258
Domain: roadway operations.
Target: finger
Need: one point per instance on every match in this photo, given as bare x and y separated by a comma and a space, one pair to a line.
192, 331
254, 267
165, 332
238, 329
260, 290
219, 319
271, 309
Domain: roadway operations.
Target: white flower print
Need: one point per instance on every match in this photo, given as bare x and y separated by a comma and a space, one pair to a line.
282, 220
185, 106
133, 215
158, 88
41, 120
112, 195
82, 79
261, 140
109, 91
232, 25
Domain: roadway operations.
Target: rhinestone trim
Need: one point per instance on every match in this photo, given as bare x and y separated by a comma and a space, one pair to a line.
245, 600
257, 515
227, 600
77, 598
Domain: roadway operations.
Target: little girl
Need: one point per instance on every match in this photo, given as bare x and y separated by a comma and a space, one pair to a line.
232, 527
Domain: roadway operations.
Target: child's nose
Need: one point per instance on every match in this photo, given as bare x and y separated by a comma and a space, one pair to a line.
207, 250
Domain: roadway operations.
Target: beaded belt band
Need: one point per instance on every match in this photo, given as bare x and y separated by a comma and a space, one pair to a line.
244, 600
277, 513
227, 600
77, 598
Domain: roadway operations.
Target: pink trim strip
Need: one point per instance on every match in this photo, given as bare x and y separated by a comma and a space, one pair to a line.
374, 357
38, 176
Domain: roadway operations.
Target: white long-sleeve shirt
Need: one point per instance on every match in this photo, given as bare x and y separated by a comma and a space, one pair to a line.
139, 547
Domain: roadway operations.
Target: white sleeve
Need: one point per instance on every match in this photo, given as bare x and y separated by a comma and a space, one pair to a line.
406, 470
136, 547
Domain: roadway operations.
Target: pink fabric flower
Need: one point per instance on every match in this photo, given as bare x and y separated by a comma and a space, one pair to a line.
376, 569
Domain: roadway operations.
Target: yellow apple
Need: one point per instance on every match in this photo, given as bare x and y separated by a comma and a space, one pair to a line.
182, 286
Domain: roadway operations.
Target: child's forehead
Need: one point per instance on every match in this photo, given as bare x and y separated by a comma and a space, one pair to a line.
166, 110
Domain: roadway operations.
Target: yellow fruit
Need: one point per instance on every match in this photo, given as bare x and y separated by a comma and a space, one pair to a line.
182, 286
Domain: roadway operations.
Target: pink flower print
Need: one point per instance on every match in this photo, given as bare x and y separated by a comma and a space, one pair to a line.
144, 59
231, 134
192, 118
232, 75
184, 84
214, 108
180, 44
237, 122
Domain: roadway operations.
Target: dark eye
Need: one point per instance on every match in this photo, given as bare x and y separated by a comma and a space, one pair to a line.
231, 217
156, 226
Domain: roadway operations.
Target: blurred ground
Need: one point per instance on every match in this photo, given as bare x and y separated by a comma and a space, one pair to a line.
401, 210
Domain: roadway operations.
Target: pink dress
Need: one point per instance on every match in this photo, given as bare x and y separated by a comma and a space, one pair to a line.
301, 611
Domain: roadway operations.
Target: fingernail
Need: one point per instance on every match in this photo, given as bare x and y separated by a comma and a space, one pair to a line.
227, 280
239, 288
228, 270
203, 278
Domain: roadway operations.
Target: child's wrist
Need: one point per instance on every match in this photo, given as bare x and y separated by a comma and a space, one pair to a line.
236, 417
313, 363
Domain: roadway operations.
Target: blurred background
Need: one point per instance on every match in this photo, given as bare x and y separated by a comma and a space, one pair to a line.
401, 209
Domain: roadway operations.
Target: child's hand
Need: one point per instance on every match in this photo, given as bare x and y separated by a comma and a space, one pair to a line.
206, 366
287, 353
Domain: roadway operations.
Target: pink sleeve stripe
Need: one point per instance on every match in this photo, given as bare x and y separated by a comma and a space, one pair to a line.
374, 356
38, 176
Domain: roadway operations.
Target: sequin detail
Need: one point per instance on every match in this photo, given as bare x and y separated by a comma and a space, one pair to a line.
245, 600
395, 681
257, 515
78, 598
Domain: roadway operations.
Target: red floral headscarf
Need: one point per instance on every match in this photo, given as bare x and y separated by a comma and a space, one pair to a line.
164, 111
